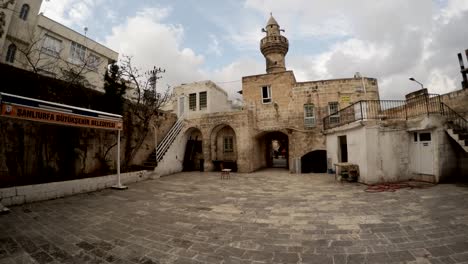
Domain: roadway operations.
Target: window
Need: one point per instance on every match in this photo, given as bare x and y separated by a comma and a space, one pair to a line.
77, 53
266, 94
10, 57
202, 100
333, 109
424, 136
309, 115
51, 46
193, 101
24, 12
93, 61
228, 144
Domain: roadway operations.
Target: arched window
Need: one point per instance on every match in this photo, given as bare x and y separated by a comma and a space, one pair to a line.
10, 57
24, 12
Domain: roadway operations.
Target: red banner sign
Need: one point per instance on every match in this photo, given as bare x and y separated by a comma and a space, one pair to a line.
41, 115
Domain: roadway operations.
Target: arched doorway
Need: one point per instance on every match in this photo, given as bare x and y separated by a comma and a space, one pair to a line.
193, 157
224, 147
314, 161
277, 150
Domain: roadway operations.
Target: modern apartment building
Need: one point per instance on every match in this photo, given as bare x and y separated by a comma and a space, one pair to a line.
34, 42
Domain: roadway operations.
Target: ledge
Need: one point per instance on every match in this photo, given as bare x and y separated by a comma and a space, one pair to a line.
40, 192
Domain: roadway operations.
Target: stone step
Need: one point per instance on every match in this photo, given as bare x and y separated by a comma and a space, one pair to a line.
456, 136
463, 136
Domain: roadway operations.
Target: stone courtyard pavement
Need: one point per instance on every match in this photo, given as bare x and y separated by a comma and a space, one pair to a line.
265, 217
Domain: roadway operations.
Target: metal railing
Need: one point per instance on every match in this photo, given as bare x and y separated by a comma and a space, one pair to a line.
368, 109
392, 109
169, 138
458, 121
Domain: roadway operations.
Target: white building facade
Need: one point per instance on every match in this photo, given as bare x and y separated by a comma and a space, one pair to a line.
34, 42
198, 98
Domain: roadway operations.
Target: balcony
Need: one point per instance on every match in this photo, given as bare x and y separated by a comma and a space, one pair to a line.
387, 109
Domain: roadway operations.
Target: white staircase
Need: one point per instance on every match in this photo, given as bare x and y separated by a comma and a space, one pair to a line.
169, 139
460, 136
457, 126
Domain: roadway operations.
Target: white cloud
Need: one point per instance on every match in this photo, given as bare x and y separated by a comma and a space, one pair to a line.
453, 8
152, 42
229, 76
214, 46
69, 12
391, 40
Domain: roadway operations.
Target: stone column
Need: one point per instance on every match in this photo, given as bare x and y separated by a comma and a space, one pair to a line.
206, 143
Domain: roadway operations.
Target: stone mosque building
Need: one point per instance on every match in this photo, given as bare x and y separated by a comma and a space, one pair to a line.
280, 124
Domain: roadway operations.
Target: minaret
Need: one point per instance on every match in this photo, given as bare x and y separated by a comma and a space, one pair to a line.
274, 47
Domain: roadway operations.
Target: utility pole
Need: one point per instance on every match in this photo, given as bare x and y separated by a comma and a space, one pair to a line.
463, 71
153, 79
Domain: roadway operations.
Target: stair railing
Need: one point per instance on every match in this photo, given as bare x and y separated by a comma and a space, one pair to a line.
455, 118
169, 138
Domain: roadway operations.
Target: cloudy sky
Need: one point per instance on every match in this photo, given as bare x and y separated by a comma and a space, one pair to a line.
194, 40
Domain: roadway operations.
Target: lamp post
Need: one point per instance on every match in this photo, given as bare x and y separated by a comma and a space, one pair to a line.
414, 80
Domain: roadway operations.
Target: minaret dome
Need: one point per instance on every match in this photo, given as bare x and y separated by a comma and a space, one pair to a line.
274, 47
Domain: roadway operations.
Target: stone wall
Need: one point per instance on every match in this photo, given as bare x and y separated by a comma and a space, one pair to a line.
210, 125
167, 120
458, 101
285, 112
33, 152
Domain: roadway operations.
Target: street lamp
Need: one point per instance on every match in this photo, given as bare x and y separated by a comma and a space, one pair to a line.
414, 80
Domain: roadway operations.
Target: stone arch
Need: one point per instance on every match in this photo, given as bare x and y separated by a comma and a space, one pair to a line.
223, 146
193, 155
314, 161
272, 149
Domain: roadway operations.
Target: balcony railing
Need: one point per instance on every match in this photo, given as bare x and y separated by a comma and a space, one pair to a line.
387, 109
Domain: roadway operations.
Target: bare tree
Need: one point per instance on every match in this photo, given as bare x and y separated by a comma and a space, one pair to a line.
77, 66
34, 56
39, 55
145, 109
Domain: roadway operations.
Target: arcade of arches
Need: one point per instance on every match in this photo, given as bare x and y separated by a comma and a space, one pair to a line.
226, 145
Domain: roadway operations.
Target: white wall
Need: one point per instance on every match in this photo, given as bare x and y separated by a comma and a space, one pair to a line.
40, 192
445, 155
217, 99
385, 151
382, 154
172, 161
357, 152
389, 151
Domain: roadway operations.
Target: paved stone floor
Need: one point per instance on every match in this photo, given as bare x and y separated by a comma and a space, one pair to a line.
266, 217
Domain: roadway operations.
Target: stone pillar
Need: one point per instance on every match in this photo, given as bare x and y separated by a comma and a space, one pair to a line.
206, 143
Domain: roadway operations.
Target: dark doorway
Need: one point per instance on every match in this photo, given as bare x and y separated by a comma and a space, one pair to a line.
314, 161
343, 148
193, 158
277, 147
